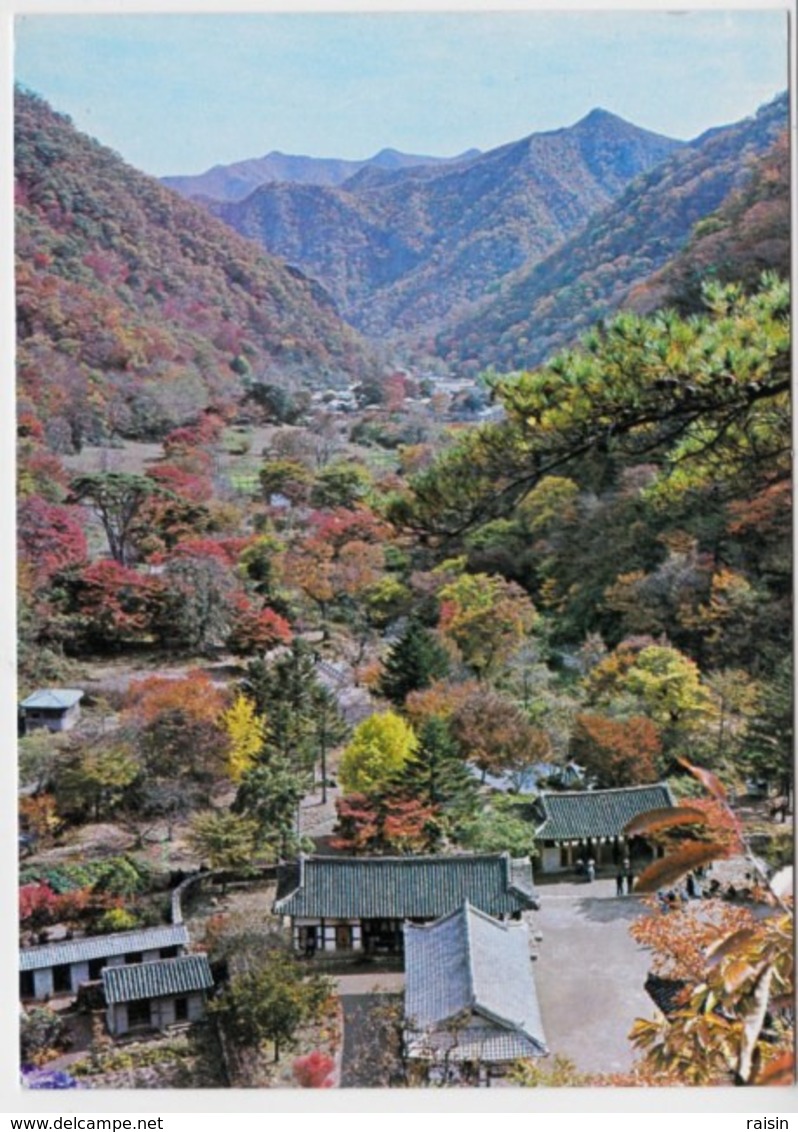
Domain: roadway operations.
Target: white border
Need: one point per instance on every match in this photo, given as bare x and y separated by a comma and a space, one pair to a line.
756, 1103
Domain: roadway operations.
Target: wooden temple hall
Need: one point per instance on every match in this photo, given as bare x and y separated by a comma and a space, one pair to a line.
589, 825
360, 904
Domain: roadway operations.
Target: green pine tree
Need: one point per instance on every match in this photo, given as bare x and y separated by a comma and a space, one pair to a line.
303, 717
436, 775
414, 662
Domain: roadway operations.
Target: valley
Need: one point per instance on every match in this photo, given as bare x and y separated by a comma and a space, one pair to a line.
417, 532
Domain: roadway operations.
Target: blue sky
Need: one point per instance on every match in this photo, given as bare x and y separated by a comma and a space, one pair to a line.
177, 93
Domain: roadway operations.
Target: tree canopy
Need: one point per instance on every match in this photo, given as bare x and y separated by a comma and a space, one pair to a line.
707, 396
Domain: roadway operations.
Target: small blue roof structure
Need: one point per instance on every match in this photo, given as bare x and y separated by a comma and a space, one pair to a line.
469, 990
53, 699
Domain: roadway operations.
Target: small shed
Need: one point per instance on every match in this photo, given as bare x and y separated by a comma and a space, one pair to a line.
57, 709
154, 995
471, 1006
584, 824
61, 967
360, 903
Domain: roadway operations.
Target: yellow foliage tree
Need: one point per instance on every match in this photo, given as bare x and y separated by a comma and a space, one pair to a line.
247, 733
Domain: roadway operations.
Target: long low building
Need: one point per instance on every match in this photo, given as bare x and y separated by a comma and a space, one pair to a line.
584, 824
471, 1007
361, 903
59, 968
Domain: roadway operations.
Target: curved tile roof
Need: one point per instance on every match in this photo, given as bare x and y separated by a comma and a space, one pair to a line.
406, 887
469, 989
574, 815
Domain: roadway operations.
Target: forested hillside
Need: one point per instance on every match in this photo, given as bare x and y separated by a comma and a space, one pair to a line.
300, 601
547, 305
399, 250
135, 308
750, 233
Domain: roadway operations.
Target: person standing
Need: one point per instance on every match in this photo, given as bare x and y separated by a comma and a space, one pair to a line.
629, 876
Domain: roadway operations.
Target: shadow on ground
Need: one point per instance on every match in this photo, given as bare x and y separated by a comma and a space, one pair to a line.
604, 909
372, 1040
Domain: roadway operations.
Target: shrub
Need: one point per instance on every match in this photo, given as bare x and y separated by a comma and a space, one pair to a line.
117, 920
41, 1031
313, 1071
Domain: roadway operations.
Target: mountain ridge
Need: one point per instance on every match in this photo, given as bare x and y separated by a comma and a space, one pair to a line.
399, 249
547, 305
234, 181
136, 308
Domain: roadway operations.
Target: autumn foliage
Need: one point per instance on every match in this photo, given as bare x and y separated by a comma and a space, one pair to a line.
314, 1070
617, 752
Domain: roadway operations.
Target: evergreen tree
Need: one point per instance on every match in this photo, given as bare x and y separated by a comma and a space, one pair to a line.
436, 775
269, 795
768, 751
303, 716
414, 662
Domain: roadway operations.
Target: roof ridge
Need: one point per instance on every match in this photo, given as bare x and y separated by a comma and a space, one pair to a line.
164, 959
472, 993
109, 937
405, 859
545, 794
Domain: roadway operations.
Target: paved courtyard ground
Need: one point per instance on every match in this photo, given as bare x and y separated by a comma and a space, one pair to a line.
589, 973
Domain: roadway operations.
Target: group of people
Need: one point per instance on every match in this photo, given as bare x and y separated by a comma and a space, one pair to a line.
624, 878
690, 890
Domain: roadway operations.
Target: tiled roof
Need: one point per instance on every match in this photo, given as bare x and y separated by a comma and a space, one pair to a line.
413, 888
597, 813
53, 698
486, 1043
475, 970
102, 946
157, 979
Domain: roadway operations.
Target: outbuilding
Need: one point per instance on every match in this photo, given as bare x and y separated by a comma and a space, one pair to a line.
56, 709
61, 967
589, 824
155, 995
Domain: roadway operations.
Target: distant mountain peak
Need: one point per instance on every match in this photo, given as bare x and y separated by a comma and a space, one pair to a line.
598, 115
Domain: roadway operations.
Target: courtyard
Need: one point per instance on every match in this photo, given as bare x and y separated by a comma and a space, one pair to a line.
589, 975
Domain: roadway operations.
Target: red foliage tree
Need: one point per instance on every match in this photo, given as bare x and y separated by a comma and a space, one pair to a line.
178, 726
256, 630
314, 1070
113, 604
37, 905
619, 752
179, 481
50, 538
385, 823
